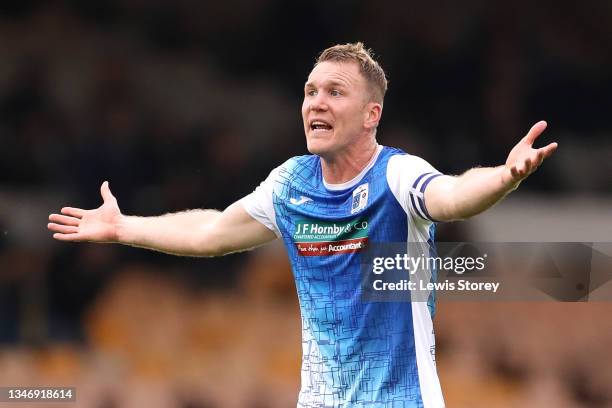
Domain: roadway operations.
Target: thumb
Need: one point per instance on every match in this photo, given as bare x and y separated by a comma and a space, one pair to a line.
106, 193
535, 131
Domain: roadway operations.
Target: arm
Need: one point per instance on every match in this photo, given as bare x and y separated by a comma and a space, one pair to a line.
450, 198
191, 233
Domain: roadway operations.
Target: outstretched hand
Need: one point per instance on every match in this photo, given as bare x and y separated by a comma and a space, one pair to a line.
97, 225
524, 159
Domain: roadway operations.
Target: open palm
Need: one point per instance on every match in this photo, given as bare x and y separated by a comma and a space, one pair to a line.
524, 159
97, 225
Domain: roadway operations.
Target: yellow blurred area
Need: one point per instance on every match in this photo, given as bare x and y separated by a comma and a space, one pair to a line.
154, 342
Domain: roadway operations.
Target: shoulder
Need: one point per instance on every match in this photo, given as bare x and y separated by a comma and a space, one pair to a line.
393, 154
299, 164
392, 151
404, 168
304, 160
402, 161
297, 167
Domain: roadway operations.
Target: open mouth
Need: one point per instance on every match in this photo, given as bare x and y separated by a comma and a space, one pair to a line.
320, 126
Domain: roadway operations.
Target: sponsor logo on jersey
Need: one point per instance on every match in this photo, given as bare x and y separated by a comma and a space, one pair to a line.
360, 198
316, 238
302, 200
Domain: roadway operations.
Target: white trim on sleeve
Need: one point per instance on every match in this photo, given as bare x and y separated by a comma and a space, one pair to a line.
408, 177
260, 203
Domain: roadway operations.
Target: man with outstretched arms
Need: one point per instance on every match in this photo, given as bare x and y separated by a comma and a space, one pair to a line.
326, 207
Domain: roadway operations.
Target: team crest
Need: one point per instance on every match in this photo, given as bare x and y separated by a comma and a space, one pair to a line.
360, 198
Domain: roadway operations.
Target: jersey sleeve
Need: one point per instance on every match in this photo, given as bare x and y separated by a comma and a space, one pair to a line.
260, 203
408, 177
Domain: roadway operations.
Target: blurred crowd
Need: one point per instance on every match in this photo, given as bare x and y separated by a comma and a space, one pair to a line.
155, 342
190, 104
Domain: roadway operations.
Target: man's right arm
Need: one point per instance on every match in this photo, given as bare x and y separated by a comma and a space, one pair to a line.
187, 233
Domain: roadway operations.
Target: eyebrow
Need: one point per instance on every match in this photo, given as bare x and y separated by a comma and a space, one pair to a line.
327, 83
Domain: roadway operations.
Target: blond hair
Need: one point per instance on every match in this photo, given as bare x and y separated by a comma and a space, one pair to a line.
368, 66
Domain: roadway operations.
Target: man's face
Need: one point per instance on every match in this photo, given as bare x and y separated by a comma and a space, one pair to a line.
335, 107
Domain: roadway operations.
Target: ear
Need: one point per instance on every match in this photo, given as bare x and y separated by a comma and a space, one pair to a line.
373, 113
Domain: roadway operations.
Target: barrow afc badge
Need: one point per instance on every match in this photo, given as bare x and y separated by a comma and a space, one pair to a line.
360, 198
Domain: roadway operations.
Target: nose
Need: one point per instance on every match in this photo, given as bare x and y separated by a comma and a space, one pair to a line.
317, 103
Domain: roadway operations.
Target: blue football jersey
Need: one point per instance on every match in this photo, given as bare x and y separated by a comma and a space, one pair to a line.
355, 353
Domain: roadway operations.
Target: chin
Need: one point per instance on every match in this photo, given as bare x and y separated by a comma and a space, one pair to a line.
314, 148
318, 145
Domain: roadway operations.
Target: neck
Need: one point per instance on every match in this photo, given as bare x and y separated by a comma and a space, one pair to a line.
345, 166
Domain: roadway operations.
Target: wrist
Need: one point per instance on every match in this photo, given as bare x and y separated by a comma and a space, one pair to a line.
509, 182
122, 229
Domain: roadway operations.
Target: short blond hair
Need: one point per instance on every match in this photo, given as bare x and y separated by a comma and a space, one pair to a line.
368, 66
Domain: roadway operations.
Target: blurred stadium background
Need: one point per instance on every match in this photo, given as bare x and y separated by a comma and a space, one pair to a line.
190, 104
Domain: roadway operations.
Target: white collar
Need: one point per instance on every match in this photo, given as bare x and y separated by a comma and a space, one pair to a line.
357, 178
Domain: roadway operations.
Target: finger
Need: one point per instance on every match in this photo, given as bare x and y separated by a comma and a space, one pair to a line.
68, 237
64, 229
106, 193
73, 212
514, 172
62, 219
547, 151
539, 158
535, 131
524, 168
528, 165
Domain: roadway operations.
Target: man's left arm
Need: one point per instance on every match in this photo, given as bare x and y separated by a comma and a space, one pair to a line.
451, 198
